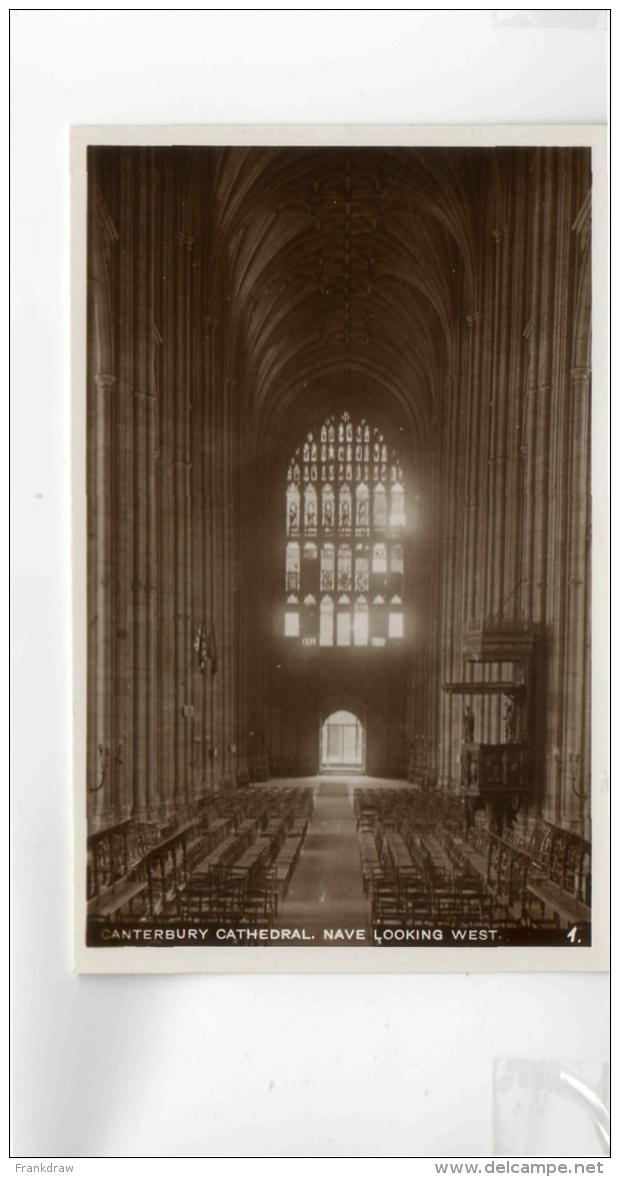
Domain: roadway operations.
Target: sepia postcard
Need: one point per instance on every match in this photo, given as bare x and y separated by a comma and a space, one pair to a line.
340, 521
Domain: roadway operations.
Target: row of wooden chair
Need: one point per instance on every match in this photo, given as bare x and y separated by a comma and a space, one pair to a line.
139, 871
420, 902
222, 899
543, 875
245, 888
412, 868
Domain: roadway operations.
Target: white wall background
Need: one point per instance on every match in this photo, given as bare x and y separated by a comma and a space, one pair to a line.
210, 1066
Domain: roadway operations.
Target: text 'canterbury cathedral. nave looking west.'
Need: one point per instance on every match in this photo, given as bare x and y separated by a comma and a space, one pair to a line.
338, 486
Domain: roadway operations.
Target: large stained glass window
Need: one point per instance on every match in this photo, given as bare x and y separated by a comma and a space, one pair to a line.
345, 522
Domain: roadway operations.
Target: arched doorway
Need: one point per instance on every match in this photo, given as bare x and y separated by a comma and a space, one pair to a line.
342, 743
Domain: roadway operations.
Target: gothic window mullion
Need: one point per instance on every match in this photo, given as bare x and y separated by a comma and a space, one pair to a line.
345, 521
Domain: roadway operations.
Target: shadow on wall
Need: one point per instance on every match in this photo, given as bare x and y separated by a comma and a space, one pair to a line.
312, 735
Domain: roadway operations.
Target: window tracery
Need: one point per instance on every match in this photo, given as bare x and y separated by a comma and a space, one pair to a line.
345, 523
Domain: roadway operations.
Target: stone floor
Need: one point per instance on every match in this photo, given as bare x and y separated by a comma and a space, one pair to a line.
326, 890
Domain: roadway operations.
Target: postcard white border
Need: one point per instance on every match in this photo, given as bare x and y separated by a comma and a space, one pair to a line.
335, 959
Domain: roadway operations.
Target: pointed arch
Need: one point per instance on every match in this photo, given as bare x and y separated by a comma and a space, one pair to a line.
345, 507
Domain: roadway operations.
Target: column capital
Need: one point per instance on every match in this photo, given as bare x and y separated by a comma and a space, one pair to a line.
580, 375
185, 239
105, 381
501, 232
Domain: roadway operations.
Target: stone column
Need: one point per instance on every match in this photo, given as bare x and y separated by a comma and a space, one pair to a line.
470, 531
152, 760
450, 625
140, 611
217, 559
497, 456
228, 583
244, 569
207, 566
166, 519
576, 799
125, 488
102, 790
182, 511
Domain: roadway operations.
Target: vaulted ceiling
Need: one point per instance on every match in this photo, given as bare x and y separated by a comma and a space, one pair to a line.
349, 270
